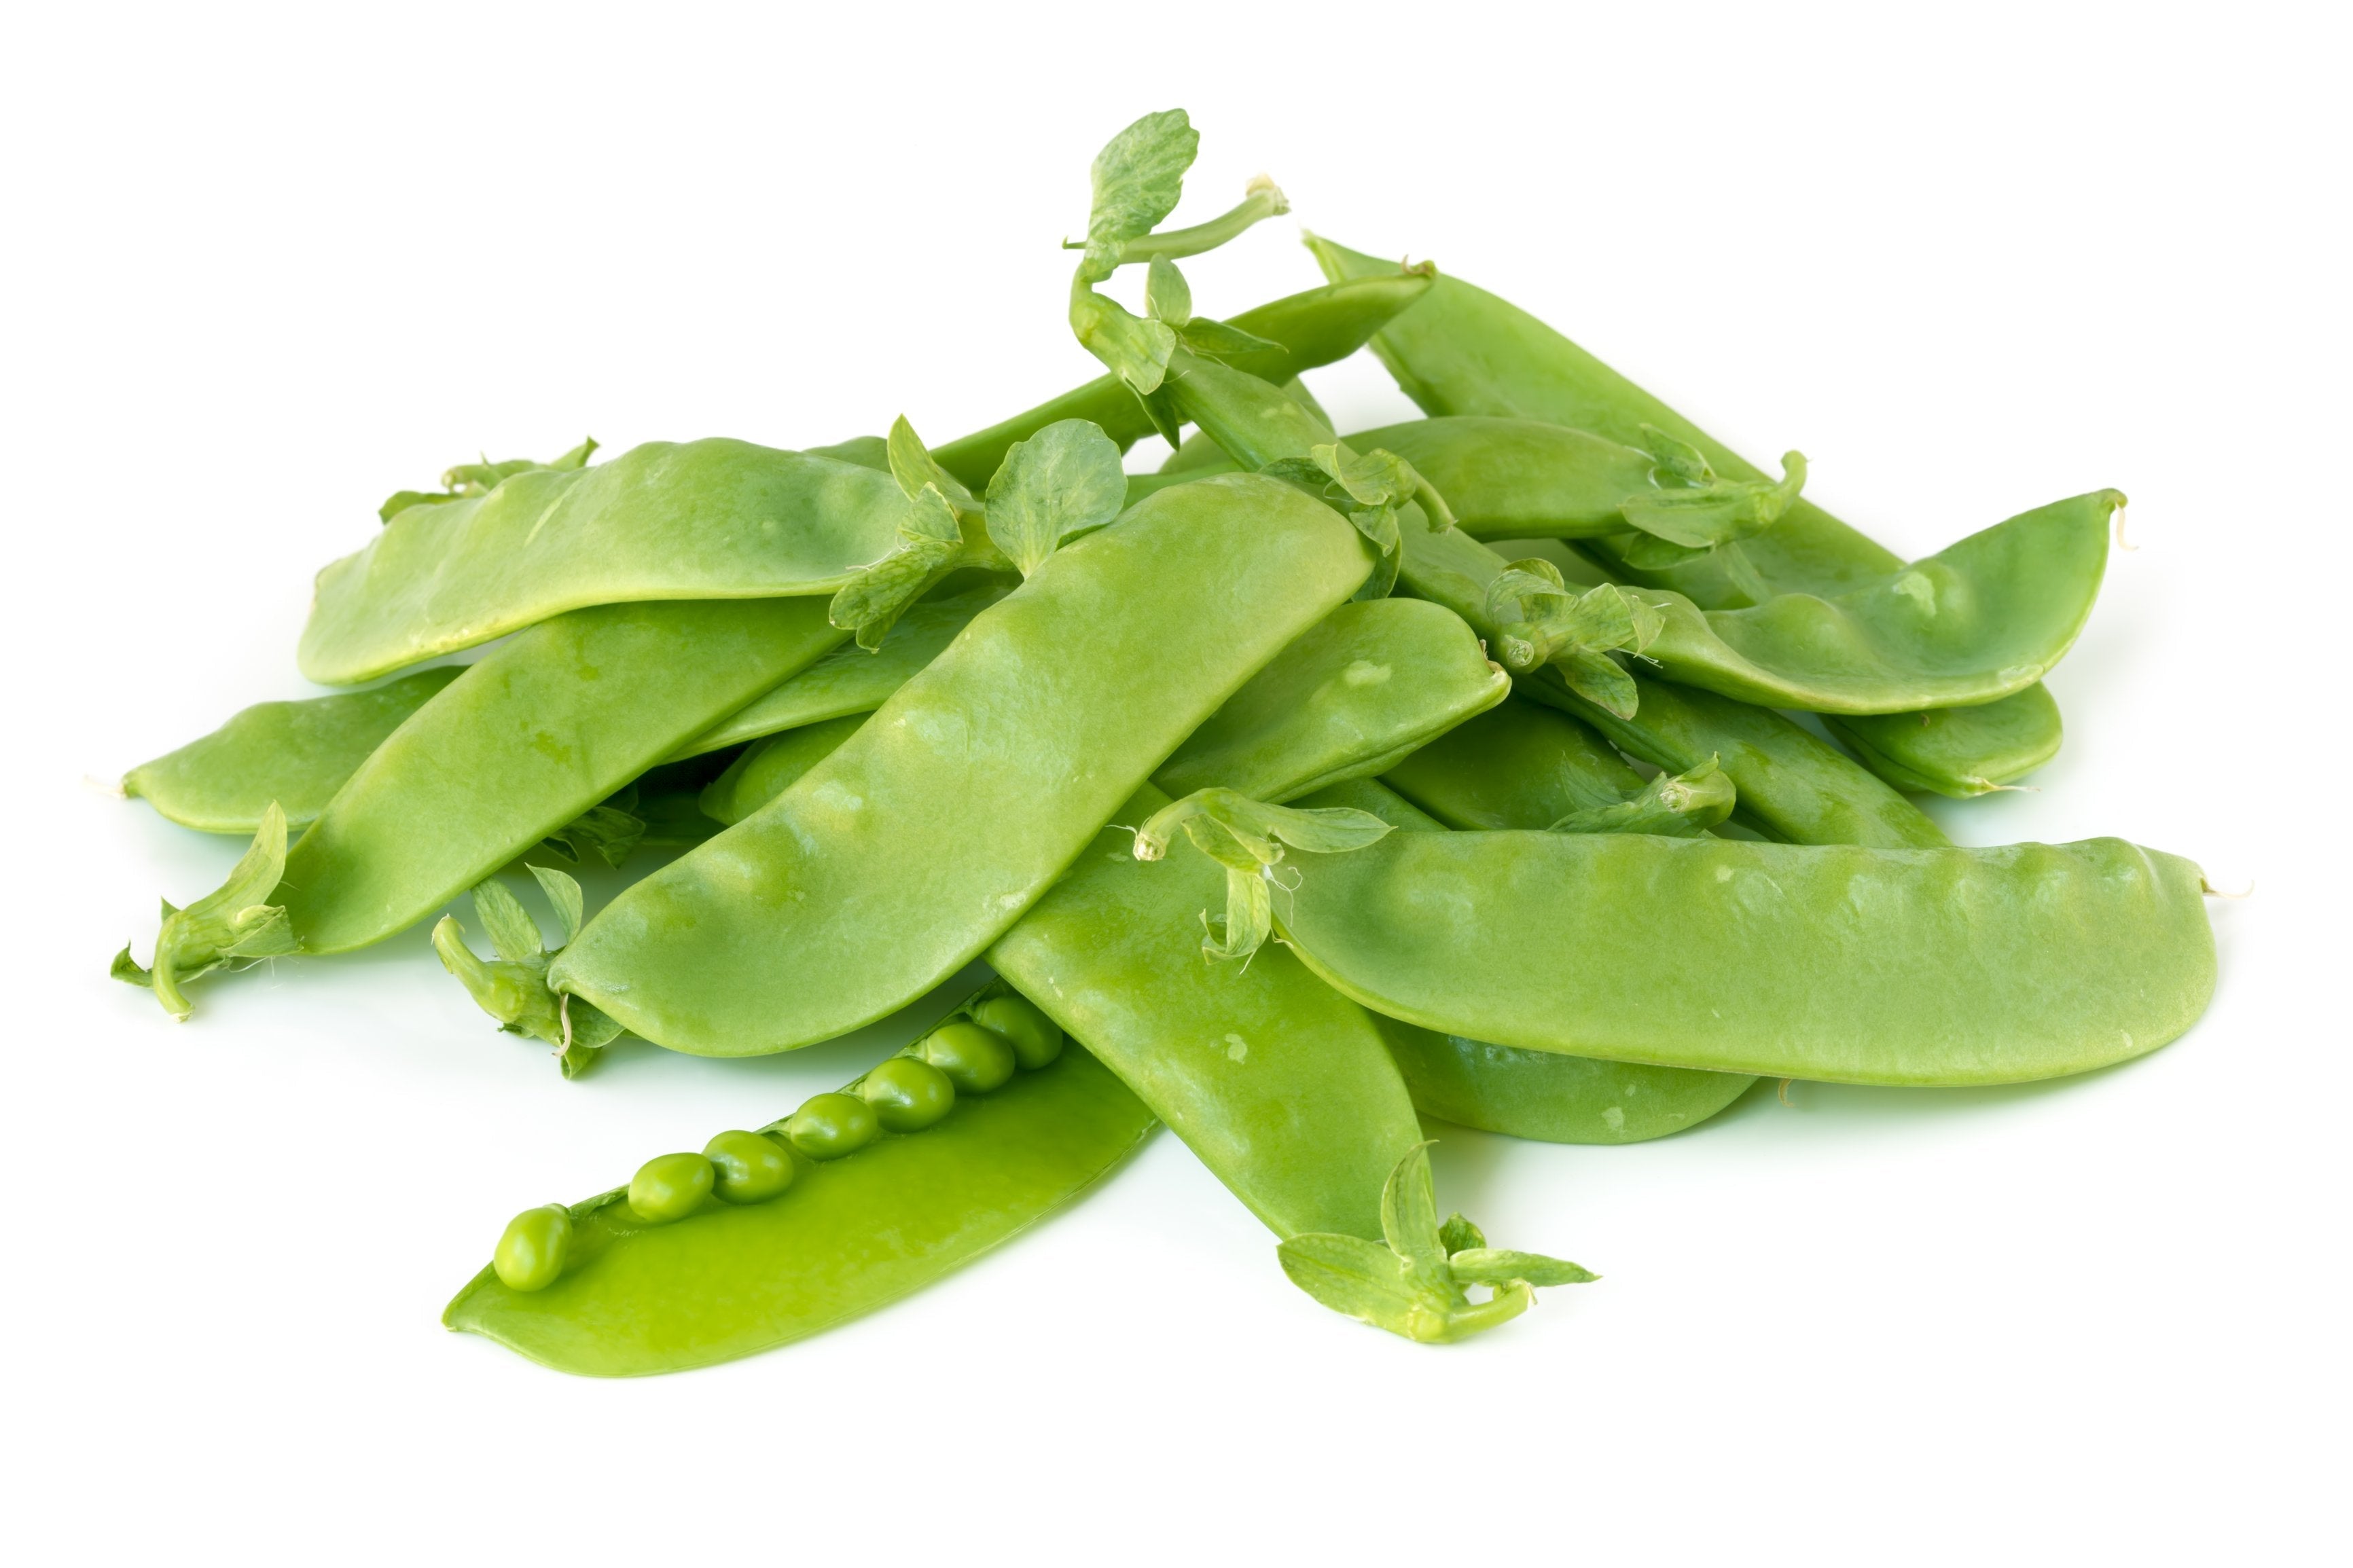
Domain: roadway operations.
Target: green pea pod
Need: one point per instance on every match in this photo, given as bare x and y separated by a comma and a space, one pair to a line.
1522, 766
774, 765
1279, 1084
1957, 751
1928, 967
849, 680
910, 848
847, 1237
1462, 350
1791, 786
1299, 333
526, 741
706, 520
296, 753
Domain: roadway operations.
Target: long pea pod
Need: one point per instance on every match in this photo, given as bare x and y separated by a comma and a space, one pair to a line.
974, 786
1957, 751
1462, 350
769, 767
705, 519
1928, 967
848, 1236
296, 753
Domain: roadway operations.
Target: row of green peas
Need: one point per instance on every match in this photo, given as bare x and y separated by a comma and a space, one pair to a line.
973, 1054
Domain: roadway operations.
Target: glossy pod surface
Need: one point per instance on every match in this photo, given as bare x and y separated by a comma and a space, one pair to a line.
1958, 751
296, 753
1462, 350
970, 790
1890, 966
850, 1234
707, 520
1279, 1084
525, 741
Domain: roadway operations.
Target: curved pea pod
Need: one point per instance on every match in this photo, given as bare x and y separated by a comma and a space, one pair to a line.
706, 520
1462, 350
1279, 1084
1958, 751
1300, 331
921, 839
1978, 621
847, 1236
1358, 690
1542, 1095
526, 741
849, 680
772, 766
1518, 765
1928, 967
1791, 786
296, 753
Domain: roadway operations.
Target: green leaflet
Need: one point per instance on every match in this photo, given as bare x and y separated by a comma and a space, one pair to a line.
1139, 177
1416, 1287
1680, 805
1248, 837
1064, 481
513, 988
230, 923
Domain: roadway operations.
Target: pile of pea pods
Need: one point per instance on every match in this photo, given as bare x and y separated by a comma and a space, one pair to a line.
1538, 766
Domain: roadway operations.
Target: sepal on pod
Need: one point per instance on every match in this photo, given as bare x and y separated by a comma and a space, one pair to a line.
1692, 513
231, 922
1247, 837
479, 479
932, 543
1673, 805
513, 988
1416, 1285
1540, 621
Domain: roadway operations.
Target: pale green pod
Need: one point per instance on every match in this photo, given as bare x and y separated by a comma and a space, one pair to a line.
1957, 751
296, 753
772, 766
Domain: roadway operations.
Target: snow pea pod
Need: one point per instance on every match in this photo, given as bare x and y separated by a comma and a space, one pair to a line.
296, 753
848, 1234
974, 786
1301, 332
1928, 967
1279, 1083
771, 766
705, 519
1462, 350
1791, 786
1543, 1095
1957, 751
849, 680
528, 738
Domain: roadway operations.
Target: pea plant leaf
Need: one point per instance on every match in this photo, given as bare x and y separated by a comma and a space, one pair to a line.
1139, 177
1167, 298
232, 922
931, 543
1230, 344
1676, 806
513, 988
912, 465
1064, 481
1417, 1286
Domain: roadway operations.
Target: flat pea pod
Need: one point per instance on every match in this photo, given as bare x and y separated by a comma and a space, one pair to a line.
1521, 478
1926, 967
974, 787
296, 753
1279, 1084
1318, 327
1542, 1095
528, 738
1791, 786
849, 680
707, 520
1462, 350
852, 1235
1957, 751
772, 766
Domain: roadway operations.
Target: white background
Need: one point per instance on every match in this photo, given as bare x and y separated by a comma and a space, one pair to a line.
261, 268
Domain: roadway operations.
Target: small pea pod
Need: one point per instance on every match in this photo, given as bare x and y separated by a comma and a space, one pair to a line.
708, 520
1957, 751
295, 753
848, 1234
1926, 967
973, 788
1462, 350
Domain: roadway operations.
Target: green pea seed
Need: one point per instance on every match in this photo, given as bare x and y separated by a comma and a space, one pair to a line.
530, 1253
1036, 1038
749, 1169
975, 1059
670, 1186
828, 1126
908, 1095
